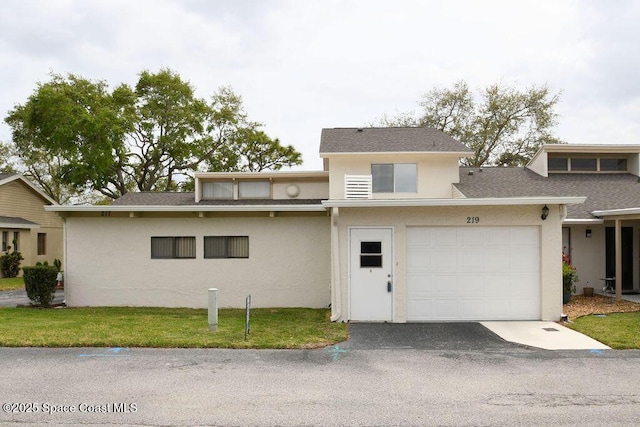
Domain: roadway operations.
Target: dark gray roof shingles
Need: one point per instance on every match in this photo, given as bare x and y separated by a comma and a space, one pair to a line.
15, 220
603, 191
380, 140
160, 198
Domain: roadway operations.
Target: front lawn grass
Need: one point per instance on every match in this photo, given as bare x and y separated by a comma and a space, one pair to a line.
277, 328
619, 330
11, 283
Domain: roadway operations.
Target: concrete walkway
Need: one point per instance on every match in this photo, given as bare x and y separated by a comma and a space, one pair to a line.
545, 335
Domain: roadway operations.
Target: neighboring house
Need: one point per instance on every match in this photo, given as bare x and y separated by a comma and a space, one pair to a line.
392, 230
25, 226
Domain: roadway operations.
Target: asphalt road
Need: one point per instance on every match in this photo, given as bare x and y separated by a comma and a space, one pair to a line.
351, 384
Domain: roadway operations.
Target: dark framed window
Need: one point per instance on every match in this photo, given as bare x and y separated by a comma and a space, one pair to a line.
226, 246
558, 164
173, 247
42, 244
613, 165
582, 164
16, 240
5, 236
394, 177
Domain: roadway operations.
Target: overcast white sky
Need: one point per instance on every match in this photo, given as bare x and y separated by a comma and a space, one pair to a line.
304, 65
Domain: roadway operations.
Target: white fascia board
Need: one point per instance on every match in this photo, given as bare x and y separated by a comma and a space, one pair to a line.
262, 175
580, 221
616, 212
386, 153
15, 226
189, 208
591, 148
501, 201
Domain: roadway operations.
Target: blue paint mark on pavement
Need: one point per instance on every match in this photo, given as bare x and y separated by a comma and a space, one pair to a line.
336, 351
110, 352
595, 351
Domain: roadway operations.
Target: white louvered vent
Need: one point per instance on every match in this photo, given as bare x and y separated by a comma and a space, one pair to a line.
357, 186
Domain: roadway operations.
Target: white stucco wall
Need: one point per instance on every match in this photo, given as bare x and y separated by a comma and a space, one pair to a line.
401, 218
109, 262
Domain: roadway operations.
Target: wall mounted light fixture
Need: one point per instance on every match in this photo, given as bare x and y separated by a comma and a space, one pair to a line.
588, 233
545, 212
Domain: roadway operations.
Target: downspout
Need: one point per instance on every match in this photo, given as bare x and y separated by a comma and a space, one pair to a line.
336, 289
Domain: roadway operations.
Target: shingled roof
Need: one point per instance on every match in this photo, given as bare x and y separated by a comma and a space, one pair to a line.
603, 191
166, 198
16, 221
380, 140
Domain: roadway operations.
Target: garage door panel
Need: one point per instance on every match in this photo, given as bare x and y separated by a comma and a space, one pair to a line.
494, 261
470, 260
497, 237
471, 237
473, 273
443, 237
498, 284
524, 235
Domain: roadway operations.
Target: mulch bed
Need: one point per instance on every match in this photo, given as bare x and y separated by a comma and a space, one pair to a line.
580, 305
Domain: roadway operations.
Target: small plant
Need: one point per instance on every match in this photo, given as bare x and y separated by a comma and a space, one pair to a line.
10, 263
57, 264
40, 283
569, 276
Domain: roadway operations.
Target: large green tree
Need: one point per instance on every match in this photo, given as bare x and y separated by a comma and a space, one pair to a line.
502, 125
74, 136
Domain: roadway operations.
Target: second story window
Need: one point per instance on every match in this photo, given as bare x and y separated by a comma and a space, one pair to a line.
254, 190
394, 177
217, 190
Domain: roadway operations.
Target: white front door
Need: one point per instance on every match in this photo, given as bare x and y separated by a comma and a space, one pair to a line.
371, 274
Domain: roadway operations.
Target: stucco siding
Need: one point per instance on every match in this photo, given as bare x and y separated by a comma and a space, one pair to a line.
109, 263
401, 218
436, 172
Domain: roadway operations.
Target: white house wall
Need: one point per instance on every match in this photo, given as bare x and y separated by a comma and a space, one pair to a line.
109, 263
401, 218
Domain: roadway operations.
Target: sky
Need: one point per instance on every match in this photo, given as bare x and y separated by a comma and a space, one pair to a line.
304, 65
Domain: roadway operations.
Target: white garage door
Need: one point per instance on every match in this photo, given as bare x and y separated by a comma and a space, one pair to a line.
473, 273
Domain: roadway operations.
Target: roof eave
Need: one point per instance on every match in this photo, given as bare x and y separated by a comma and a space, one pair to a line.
188, 208
492, 201
374, 153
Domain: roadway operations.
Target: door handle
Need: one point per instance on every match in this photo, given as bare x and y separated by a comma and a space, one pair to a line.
389, 286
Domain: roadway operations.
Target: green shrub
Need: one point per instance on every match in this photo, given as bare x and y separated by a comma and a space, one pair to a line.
40, 283
10, 264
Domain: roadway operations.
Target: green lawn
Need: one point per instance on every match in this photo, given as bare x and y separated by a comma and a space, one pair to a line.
167, 327
11, 283
618, 330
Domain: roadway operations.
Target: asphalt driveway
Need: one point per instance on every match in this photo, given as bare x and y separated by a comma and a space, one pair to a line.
425, 336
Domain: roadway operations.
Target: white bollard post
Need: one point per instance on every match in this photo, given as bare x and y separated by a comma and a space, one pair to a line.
213, 309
